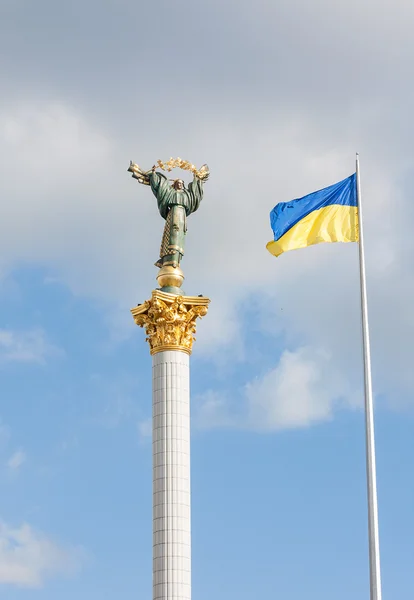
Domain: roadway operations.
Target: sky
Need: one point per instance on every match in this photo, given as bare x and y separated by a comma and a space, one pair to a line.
276, 97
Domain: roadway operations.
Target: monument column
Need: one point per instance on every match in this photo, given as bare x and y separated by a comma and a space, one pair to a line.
170, 323
169, 319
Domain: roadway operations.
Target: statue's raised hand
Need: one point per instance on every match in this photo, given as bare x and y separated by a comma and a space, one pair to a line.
139, 174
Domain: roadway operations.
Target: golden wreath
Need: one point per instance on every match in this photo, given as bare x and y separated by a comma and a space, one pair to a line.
202, 173
143, 177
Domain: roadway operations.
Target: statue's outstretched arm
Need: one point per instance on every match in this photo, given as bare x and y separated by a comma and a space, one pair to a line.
203, 174
151, 177
139, 174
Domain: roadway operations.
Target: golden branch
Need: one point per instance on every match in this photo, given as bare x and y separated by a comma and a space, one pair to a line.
185, 165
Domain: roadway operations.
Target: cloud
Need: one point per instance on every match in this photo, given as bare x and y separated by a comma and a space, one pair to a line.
28, 557
215, 409
257, 108
25, 346
300, 391
16, 460
145, 429
303, 389
87, 239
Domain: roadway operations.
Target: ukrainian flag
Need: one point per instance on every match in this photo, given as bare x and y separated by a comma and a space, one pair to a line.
328, 215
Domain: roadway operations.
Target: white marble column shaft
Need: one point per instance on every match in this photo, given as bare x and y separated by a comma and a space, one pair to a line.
171, 476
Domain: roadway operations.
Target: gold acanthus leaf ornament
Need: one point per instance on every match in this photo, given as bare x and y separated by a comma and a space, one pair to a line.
170, 321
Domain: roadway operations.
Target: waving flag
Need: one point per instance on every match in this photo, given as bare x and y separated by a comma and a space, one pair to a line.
328, 215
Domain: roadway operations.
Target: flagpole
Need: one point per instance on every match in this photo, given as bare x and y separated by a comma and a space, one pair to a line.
374, 550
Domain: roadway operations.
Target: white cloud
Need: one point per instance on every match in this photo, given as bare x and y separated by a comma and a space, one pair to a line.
28, 558
16, 460
300, 391
25, 346
70, 205
214, 409
145, 429
86, 238
303, 389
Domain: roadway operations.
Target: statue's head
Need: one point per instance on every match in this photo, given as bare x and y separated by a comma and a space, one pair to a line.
178, 184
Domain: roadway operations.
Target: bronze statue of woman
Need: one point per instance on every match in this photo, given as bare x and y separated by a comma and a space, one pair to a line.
175, 204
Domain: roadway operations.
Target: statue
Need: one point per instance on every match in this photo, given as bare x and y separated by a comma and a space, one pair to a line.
169, 318
175, 203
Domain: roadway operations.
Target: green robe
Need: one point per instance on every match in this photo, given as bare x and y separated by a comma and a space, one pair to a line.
174, 206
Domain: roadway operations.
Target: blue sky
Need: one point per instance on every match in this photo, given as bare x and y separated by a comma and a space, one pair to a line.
276, 100
271, 510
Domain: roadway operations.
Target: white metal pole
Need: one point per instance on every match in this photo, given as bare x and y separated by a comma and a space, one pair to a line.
374, 550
